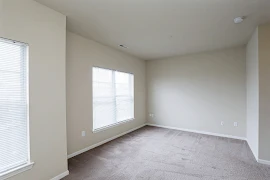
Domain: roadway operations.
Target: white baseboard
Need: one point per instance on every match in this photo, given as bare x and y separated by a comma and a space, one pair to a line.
263, 162
60, 176
103, 142
199, 132
156, 125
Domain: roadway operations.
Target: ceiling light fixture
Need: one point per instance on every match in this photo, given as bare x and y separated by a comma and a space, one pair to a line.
123, 46
238, 20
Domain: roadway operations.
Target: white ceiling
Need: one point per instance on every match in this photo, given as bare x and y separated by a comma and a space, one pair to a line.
154, 29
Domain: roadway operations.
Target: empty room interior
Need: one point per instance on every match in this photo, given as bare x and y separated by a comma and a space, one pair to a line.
134, 89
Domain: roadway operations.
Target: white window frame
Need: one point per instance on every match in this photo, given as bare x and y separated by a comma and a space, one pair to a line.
116, 123
29, 164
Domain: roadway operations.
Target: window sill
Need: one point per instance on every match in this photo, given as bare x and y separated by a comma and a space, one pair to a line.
111, 126
16, 171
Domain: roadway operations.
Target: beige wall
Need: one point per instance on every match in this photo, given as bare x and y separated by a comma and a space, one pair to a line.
199, 91
44, 30
258, 92
252, 72
264, 96
82, 55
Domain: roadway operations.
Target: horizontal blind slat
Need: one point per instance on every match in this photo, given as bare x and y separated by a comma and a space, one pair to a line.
13, 105
113, 97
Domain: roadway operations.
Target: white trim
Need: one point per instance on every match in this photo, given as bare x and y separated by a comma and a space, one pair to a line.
199, 132
28, 101
10, 41
263, 162
103, 142
112, 125
254, 154
16, 171
60, 176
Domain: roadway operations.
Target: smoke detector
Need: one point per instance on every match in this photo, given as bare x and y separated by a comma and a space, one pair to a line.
238, 20
123, 46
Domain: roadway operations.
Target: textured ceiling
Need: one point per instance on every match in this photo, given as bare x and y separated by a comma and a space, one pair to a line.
154, 29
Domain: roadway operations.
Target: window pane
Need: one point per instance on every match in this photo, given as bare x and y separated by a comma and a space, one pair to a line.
124, 96
124, 106
13, 105
102, 75
113, 99
103, 98
122, 84
104, 112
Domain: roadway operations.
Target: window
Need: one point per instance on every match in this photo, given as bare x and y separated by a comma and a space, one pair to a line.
14, 143
113, 97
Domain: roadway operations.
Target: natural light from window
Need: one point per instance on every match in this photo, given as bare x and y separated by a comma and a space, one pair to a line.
113, 97
14, 145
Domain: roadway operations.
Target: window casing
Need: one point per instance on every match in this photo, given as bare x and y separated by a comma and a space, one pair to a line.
14, 127
113, 97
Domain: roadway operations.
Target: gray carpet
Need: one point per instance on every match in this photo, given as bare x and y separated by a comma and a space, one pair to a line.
152, 153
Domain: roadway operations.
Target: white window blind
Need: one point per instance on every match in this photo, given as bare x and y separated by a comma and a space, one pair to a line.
14, 149
113, 97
